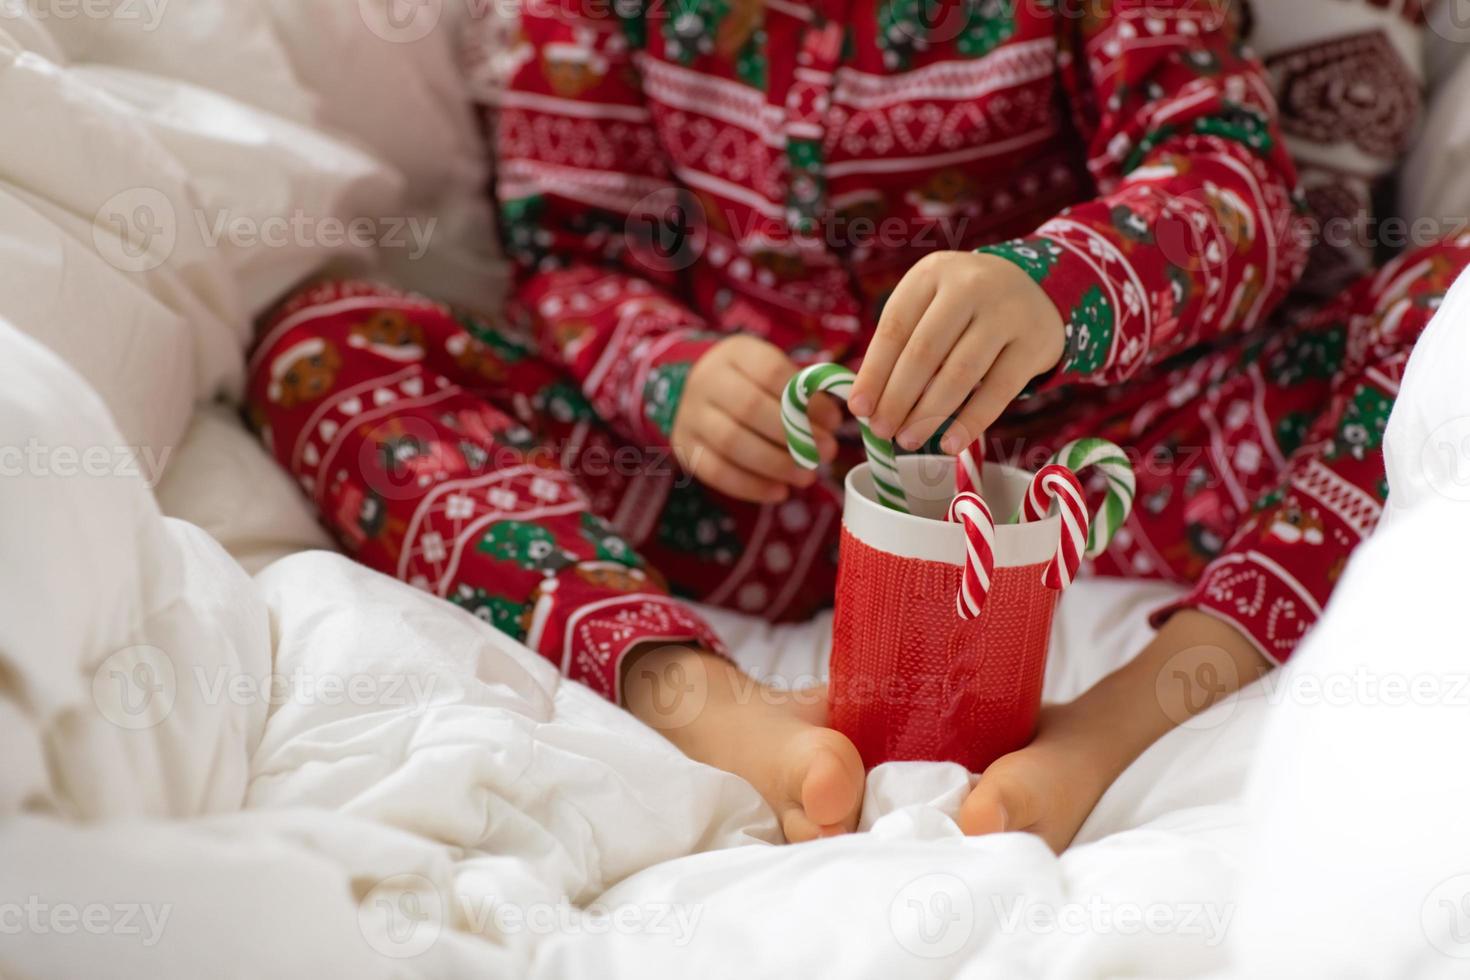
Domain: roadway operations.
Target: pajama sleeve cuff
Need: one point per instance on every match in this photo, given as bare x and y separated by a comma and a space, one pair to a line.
665, 375
1255, 594
596, 633
1072, 285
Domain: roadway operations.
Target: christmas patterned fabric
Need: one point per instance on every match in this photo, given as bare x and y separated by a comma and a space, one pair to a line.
1259, 464
774, 168
442, 450
673, 173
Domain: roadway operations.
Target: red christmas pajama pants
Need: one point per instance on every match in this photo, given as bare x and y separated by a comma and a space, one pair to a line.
442, 450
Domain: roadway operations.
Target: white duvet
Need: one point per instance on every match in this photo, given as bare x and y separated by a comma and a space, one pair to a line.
229, 751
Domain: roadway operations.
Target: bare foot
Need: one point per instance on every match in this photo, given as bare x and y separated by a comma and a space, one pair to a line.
810, 775
1049, 787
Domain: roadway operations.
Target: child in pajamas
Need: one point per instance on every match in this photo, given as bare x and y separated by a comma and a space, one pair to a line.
1015, 219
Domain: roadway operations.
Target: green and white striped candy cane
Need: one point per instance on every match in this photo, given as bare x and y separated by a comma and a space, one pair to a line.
836, 380
1113, 464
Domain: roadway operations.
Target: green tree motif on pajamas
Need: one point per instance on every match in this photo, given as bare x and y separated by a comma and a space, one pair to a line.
989, 24
526, 241
1268, 500
694, 524
808, 185
905, 28
1090, 332
662, 392
1306, 356
563, 402
751, 65
632, 19
1291, 431
607, 543
689, 30
1241, 124
1150, 142
528, 545
1038, 256
1363, 424
508, 350
500, 612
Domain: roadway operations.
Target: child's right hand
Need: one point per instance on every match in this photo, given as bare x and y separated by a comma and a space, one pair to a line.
728, 429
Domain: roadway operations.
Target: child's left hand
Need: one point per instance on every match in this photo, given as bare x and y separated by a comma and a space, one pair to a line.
957, 322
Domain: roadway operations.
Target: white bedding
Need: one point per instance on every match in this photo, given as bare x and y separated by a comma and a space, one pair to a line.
230, 752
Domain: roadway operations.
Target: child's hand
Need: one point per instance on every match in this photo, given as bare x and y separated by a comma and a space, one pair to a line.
728, 431
958, 322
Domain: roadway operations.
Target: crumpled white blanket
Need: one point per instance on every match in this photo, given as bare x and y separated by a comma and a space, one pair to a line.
226, 752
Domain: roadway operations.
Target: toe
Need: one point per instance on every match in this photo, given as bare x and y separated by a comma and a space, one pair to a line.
831, 790
983, 813
1004, 800
797, 827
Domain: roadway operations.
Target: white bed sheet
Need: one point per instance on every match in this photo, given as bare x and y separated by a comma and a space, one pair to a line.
1165, 841
440, 828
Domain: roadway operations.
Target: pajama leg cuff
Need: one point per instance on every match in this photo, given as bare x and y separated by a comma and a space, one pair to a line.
594, 637
1257, 596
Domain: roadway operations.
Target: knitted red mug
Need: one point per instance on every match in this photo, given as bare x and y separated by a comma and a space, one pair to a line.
910, 679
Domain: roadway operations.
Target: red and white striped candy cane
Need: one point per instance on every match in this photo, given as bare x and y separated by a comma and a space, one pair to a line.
1057, 483
968, 467
970, 511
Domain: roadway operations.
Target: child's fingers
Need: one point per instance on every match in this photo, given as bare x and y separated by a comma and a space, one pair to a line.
753, 406
760, 411
935, 336
958, 376
1006, 379
825, 412
719, 473
896, 324
766, 365
752, 452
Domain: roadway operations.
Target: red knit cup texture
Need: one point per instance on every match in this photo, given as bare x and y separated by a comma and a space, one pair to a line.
910, 680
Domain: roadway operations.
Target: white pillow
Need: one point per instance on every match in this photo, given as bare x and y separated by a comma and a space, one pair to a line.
1435, 181
1360, 864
